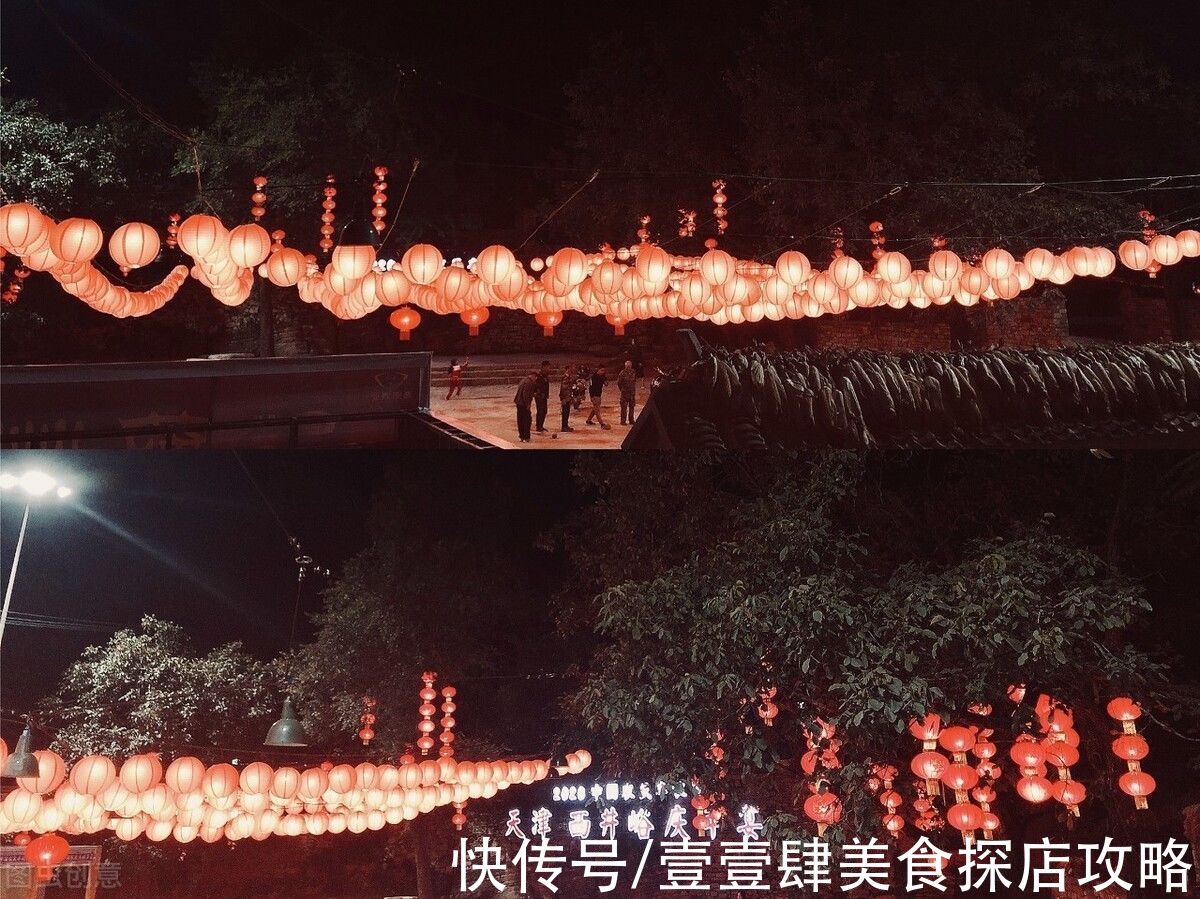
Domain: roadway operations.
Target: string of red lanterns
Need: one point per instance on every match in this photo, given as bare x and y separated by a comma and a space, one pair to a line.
714, 287
1131, 747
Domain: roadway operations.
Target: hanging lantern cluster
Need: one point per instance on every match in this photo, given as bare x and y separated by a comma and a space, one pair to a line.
882, 782
366, 730
960, 777
258, 198
379, 199
328, 216
1131, 747
446, 737
767, 709
173, 230
643, 231
714, 287
188, 800
687, 223
720, 213
707, 820
823, 806
425, 726
989, 772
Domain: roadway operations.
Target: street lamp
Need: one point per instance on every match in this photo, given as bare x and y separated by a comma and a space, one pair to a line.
35, 485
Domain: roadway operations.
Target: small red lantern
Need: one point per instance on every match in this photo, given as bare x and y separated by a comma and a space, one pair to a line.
45, 854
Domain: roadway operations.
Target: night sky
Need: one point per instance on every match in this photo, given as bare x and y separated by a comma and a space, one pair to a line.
186, 536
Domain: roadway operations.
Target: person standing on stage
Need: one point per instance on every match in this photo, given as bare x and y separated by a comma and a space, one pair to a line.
541, 396
566, 396
596, 392
525, 392
627, 384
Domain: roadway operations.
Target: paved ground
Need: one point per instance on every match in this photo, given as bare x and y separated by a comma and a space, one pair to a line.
486, 408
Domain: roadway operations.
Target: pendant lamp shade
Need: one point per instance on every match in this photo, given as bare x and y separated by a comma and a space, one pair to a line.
22, 762
287, 731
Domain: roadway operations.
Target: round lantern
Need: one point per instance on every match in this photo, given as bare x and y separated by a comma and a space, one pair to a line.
1189, 243
51, 772
893, 267
929, 765
185, 774
129, 828
717, 267
1131, 747
22, 226
93, 773
569, 266
1079, 261
1040, 263
76, 240
454, 284
1164, 249
1137, 784
133, 245
653, 264
256, 778
249, 245
141, 772
549, 319
845, 271
1033, 789
964, 817
199, 235
405, 320
793, 267
473, 318
998, 263
1134, 255
394, 288
1124, 709
21, 807
353, 261
422, 263
823, 289
45, 853
285, 267
1104, 262
960, 777
495, 263
606, 278
945, 266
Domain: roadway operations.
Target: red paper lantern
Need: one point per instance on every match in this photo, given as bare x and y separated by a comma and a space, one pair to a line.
45, 853
405, 320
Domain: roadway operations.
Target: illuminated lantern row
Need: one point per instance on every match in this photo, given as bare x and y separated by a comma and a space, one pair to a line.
823, 807
66, 249
883, 781
426, 727
623, 285
258, 198
328, 216
1131, 747
446, 737
379, 199
366, 731
188, 800
719, 199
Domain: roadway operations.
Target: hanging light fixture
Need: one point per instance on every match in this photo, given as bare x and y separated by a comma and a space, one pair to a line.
287, 731
22, 762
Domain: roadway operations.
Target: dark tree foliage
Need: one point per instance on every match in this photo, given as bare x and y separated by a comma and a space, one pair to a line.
802, 575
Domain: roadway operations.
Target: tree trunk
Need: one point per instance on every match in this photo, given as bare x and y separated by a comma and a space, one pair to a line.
266, 321
425, 889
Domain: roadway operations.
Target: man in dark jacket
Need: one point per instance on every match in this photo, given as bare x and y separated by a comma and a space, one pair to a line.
541, 396
627, 384
525, 392
595, 390
566, 396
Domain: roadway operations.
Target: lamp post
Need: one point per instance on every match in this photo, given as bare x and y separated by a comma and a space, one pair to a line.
36, 485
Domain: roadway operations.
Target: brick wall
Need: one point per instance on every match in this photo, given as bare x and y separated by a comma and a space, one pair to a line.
1026, 322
